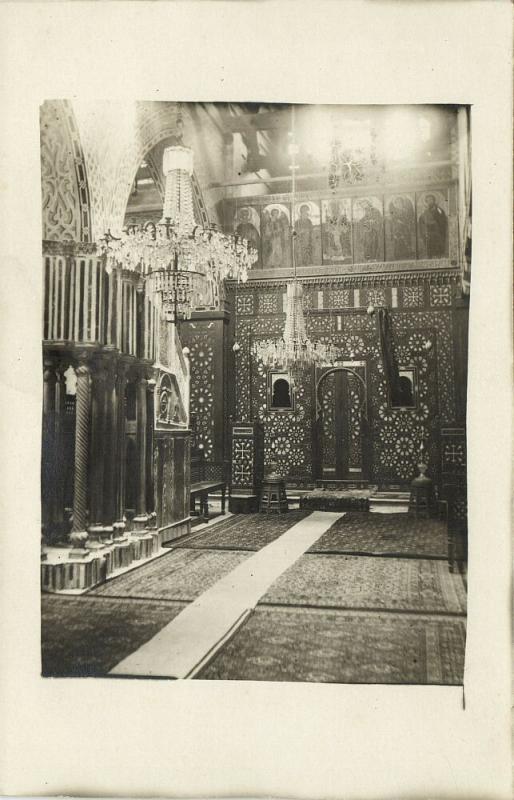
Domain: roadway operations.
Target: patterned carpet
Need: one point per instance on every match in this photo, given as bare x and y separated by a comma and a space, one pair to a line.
393, 534
182, 575
333, 500
99, 632
370, 583
333, 616
247, 531
342, 647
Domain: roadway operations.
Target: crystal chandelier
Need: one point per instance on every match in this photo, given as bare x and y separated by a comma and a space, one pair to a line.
183, 262
294, 352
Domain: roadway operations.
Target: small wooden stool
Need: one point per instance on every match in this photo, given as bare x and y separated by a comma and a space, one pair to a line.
422, 497
273, 495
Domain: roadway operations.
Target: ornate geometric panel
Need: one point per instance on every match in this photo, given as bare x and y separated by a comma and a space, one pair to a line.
453, 451
453, 455
440, 295
395, 433
375, 297
242, 462
242, 371
308, 299
412, 296
319, 323
340, 298
202, 390
64, 186
354, 401
287, 442
328, 421
268, 304
244, 304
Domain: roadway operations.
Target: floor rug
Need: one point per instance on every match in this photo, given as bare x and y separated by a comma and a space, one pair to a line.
398, 534
181, 575
332, 500
342, 647
370, 583
247, 531
181, 648
86, 636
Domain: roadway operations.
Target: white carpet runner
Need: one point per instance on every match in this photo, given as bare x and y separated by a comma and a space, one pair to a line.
182, 647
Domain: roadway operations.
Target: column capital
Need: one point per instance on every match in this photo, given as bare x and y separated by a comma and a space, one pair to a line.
142, 378
49, 361
49, 372
60, 369
100, 368
83, 361
83, 370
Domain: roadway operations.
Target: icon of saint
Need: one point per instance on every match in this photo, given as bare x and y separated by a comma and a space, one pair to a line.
433, 226
275, 236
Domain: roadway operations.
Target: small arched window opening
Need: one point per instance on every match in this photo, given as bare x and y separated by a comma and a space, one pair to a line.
280, 392
406, 396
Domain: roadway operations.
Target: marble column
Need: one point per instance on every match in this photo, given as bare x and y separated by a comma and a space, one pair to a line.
79, 536
97, 464
150, 478
110, 448
121, 384
141, 518
58, 495
47, 450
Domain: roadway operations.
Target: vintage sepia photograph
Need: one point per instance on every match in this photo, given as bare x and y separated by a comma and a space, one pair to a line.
254, 365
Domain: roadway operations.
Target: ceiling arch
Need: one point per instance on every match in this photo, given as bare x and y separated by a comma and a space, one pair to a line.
66, 211
117, 137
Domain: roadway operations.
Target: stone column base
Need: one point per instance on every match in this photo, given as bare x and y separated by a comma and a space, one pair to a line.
140, 522
142, 545
122, 554
119, 531
98, 537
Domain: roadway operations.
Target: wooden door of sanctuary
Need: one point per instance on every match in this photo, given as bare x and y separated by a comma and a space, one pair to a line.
341, 422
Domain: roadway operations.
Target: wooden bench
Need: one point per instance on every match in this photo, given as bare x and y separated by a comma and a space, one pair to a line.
201, 488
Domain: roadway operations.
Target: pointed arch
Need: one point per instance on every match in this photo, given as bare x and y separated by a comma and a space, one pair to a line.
66, 206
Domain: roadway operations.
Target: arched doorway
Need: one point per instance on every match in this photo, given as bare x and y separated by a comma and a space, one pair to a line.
341, 424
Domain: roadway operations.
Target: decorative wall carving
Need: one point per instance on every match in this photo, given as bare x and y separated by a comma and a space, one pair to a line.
242, 464
412, 296
202, 390
339, 298
268, 303
395, 433
64, 185
440, 296
247, 457
244, 304
169, 409
116, 137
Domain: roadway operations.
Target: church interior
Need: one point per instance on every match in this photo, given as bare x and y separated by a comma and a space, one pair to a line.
255, 333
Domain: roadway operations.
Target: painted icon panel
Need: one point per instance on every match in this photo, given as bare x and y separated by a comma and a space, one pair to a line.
337, 231
400, 227
247, 224
432, 210
368, 229
307, 223
276, 236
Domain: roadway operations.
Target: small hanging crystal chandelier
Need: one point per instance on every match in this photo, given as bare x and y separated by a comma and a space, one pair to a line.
294, 352
184, 263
